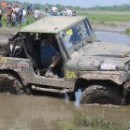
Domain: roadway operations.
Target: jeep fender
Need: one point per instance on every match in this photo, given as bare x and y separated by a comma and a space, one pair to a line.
15, 74
118, 77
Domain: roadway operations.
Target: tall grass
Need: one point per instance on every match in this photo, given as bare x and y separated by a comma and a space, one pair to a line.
128, 31
29, 20
80, 121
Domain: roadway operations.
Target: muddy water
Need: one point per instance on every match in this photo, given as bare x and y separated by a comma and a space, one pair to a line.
48, 113
113, 37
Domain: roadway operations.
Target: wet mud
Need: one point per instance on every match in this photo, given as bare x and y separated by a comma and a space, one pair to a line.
49, 113
42, 112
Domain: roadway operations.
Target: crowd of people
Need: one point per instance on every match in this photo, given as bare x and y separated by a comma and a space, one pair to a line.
54, 11
16, 15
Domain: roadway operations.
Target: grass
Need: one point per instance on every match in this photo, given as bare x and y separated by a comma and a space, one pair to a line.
29, 20
105, 16
128, 31
80, 121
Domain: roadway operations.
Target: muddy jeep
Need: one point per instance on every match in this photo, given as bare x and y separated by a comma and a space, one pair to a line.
100, 70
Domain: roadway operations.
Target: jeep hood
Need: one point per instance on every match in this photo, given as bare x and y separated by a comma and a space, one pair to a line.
101, 56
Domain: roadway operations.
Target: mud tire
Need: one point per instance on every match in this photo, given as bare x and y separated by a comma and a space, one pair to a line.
101, 94
9, 84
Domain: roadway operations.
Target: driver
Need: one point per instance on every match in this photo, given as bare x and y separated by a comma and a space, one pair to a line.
49, 56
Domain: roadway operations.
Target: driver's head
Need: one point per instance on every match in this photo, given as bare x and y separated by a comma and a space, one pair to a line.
48, 38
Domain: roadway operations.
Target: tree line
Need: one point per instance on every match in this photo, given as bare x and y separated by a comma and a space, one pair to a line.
123, 7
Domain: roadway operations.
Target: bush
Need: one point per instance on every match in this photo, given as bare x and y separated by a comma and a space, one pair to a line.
128, 31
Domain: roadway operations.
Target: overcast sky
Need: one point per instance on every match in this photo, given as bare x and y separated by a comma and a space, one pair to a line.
82, 3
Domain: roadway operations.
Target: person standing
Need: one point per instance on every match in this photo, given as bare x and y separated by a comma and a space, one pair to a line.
9, 11
54, 10
17, 11
46, 8
36, 14
13, 18
24, 16
1, 17
3, 5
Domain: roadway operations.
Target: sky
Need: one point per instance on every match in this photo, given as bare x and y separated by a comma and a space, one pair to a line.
82, 3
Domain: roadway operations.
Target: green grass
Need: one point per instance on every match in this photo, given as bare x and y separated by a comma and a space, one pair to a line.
104, 17
128, 31
29, 20
80, 121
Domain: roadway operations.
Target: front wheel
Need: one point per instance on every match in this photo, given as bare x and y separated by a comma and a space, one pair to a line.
9, 84
102, 94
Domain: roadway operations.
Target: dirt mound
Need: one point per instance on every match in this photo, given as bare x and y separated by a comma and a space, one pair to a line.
5, 33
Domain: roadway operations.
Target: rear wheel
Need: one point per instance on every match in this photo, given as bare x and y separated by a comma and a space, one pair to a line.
102, 94
9, 84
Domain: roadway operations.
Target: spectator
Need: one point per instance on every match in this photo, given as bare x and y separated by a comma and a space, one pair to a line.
1, 13
59, 13
13, 17
20, 15
30, 9
16, 11
54, 10
46, 8
69, 12
24, 16
3, 5
36, 14
74, 13
9, 11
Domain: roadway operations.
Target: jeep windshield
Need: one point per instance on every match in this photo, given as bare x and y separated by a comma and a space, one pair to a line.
76, 34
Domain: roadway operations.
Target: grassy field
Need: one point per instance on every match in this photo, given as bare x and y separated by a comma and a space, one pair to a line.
106, 16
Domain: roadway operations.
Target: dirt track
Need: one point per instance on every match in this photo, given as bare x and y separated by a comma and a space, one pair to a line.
5, 33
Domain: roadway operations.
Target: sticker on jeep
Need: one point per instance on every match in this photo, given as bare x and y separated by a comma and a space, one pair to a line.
69, 32
70, 75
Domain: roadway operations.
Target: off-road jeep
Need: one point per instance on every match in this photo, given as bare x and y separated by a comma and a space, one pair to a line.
100, 70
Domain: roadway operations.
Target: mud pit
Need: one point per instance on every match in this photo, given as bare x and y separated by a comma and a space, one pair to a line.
50, 113
5, 33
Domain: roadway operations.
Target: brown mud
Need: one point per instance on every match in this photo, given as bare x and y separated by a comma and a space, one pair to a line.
116, 27
50, 113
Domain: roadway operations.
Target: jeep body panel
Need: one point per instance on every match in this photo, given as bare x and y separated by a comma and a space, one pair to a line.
25, 70
93, 56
